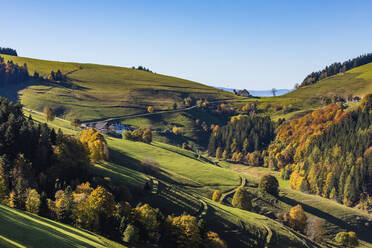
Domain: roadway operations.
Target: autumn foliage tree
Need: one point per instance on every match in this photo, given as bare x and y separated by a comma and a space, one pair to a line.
297, 218
216, 195
96, 144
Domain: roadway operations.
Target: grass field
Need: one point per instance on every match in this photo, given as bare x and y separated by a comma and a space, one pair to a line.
356, 82
22, 229
199, 177
97, 91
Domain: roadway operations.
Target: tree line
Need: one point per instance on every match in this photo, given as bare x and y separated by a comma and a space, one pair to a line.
12, 74
336, 68
8, 51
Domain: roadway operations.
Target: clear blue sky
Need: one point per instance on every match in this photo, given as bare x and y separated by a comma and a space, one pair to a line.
237, 44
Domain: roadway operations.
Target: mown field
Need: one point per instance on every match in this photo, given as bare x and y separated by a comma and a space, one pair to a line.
22, 229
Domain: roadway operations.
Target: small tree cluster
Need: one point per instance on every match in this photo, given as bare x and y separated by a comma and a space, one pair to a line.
140, 134
348, 239
95, 143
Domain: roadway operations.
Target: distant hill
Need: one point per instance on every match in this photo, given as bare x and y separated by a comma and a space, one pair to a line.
260, 92
98, 91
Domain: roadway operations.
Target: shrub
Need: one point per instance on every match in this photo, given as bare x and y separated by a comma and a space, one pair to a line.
216, 195
348, 239
214, 241
75, 122
177, 130
269, 184
150, 109
242, 199
131, 234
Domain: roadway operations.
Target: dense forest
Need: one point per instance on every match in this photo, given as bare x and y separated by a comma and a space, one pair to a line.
328, 153
240, 137
48, 173
12, 74
336, 68
8, 51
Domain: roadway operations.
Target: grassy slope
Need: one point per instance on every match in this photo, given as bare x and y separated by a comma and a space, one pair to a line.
337, 217
21, 229
107, 91
357, 82
185, 180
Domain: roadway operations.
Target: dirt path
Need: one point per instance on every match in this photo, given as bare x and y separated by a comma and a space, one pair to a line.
243, 182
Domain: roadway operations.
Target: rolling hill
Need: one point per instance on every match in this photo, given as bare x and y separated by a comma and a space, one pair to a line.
97, 91
181, 189
22, 229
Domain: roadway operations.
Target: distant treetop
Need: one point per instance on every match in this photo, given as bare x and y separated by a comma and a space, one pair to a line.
8, 51
141, 68
336, 68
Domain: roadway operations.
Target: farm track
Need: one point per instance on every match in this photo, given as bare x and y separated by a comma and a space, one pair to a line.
243, 182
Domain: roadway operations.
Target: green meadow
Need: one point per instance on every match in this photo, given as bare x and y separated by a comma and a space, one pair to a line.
22, 229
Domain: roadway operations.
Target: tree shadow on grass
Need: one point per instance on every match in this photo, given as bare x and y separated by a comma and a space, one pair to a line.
46, 228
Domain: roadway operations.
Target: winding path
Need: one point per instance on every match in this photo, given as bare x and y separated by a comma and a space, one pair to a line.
243, 182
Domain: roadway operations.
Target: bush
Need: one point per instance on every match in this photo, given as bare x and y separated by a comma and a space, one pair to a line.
242, 199
216, 195
131, 234
348, 239
76, 122
269, 184
140, 134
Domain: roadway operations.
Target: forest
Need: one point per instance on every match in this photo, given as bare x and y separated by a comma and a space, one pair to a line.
328, 153
336, 68
12, 74
48, 173
242, 136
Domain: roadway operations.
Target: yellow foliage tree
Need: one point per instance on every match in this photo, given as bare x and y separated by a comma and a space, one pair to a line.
216, 195
96, 144
150, 109
147, 217
32, 201
186, 231
297, 218
102, 201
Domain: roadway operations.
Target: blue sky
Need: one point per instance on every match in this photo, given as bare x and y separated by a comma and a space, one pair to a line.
236, 44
